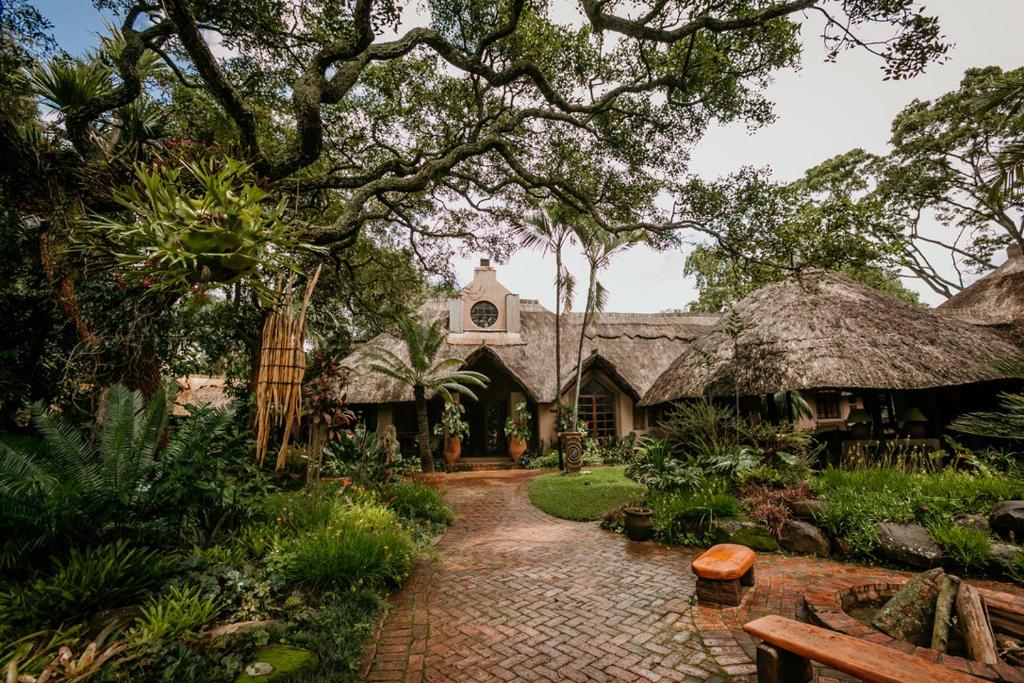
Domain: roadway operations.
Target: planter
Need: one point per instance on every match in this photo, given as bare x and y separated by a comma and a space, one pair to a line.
916, 430
572, 448
452, 451
516, 448
639, 526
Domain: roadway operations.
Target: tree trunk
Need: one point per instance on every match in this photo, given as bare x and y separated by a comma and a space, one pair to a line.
558, 348
591, 294
981, 644
423, 422
944, 611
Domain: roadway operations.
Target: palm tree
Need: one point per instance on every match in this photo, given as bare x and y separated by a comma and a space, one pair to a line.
423, 373
599, 246
548, 232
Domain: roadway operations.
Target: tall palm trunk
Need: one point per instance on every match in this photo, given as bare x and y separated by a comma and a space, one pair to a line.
591, 295
558, 346
423, 424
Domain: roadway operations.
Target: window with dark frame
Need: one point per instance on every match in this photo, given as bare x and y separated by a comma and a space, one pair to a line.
597, 409
483, 314
826, 406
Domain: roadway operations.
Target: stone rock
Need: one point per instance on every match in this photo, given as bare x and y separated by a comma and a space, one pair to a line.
745, 532
238, 627
803, 537
977, 522
1003, 554
910, 614
907, 544
809, 508
1007, 519
842, 546
278, 663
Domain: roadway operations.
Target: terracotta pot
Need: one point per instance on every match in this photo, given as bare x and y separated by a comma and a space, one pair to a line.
516, 448
639, 526
452, 451
572, 448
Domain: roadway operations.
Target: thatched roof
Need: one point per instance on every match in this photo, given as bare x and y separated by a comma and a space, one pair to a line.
633, 348
828, 331
996, 299
200, 390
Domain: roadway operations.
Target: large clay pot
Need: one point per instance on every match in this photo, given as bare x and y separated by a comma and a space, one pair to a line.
516, 448
639, 526
452, 451
572, 448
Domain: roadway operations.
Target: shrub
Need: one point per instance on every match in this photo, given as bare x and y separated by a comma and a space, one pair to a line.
682, 518
770, 506
364, 458
416, 501
654, 465
169, 616
362, 545
968, 547
88, 580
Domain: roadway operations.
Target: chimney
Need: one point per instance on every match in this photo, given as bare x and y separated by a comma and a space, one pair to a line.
485, 263
484, 274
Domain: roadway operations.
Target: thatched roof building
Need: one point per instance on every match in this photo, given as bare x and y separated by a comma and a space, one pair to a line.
828, 331
633, 348
995, 300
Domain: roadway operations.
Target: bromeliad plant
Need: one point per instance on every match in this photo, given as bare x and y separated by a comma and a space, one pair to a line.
196, 223
452, 423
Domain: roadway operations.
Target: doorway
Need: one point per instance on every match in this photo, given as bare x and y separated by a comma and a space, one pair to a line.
486, 427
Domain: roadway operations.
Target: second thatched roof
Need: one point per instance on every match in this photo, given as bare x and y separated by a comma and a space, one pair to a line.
996, 299
825, 330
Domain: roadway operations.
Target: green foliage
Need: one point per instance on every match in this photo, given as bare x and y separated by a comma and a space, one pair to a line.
452, 423
583, 496
201, 222
1016, 571
517, 425
363, 457
966, 546
337, 632
416, 501
1007, 423
685, 518
181, 610
359, 545
88, 580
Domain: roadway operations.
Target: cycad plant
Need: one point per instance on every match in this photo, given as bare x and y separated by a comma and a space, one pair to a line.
97, 483
421, 371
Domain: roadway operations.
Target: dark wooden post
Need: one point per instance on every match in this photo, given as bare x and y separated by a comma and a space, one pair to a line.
779, 666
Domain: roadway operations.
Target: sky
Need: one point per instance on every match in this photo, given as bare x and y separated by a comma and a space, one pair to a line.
823, 109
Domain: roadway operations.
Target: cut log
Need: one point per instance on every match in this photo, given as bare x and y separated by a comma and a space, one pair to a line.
948, 587
981, 645
910, 614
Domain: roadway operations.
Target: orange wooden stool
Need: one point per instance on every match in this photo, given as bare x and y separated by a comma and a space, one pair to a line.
721, 571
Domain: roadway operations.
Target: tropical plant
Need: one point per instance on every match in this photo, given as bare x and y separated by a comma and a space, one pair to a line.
201, 222
181, 610
64, 666
453, 423
517, 425
1007, 423
423, 373
599, 246
363, 457
119, 477
548, 231
411, 501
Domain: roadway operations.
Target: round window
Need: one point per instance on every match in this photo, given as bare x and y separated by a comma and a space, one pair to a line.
483, 314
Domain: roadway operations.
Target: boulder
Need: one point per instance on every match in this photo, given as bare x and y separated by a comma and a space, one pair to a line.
745, 532
808, 508
907, 544
842, 546
977, 522
1007, 519
1003, 555
803, 537
910, 614
278, 663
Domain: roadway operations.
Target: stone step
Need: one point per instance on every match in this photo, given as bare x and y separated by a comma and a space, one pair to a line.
472, 464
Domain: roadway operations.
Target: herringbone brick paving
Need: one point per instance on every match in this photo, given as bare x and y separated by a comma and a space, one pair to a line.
516, 595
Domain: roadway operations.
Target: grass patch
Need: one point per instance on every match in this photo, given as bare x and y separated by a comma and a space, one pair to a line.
584, 497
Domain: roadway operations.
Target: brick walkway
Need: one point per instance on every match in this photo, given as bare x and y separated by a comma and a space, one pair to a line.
514, 594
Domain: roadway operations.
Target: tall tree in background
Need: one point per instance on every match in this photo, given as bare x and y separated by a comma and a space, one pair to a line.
548, 231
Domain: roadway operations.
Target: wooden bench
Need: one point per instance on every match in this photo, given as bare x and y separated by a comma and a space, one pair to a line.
789, 646
722, 571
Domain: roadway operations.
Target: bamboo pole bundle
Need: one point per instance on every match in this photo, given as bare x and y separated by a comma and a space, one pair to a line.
282, 366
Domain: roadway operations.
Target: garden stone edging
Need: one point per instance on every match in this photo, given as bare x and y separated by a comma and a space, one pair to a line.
1007, 519
744, 532
808, 508
1003, 554
976, 522
803, 537
908, 544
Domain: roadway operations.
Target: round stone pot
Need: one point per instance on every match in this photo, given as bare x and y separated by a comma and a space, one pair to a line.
639, 524
452, 451
572, 448
516, 448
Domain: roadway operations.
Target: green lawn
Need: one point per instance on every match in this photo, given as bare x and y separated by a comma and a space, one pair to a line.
583, 496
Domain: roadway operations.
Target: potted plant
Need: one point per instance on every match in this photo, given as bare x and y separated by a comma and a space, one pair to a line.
638, 523
453, 427
517, 431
